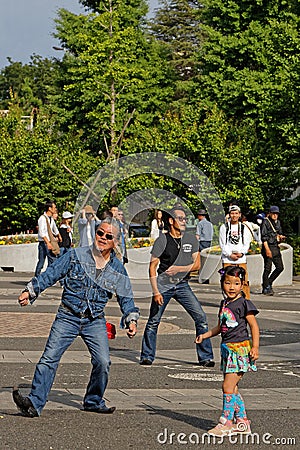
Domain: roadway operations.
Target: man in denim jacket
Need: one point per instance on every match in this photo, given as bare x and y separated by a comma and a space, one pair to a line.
91, 275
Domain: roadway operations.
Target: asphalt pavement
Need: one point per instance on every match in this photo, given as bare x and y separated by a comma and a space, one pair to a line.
170, 404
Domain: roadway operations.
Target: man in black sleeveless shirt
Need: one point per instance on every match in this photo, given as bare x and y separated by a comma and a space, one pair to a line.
174, 255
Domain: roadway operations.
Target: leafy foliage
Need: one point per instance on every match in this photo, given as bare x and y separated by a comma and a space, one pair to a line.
177, 24
215, 82
110, 73
31, 171
28, 85
248, 66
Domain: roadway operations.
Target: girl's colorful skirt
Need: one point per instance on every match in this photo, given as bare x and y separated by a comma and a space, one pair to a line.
235, 357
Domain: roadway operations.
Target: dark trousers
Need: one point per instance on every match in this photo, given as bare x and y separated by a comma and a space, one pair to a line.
43, 253
204, 244
276, 260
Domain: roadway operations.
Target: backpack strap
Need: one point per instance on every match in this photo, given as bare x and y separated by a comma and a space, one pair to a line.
251, 231
267, 218
242, 231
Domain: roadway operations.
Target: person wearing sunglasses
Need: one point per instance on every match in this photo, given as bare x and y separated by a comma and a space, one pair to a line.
91, 275
174, 255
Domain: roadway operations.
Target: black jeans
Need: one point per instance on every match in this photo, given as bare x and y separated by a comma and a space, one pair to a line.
276, 260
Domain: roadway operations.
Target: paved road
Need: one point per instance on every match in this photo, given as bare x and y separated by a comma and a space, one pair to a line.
173, 402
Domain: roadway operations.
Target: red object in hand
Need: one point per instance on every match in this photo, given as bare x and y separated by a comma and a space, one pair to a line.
111, 330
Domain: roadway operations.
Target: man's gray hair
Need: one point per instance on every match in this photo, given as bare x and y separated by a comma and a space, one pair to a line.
113, 222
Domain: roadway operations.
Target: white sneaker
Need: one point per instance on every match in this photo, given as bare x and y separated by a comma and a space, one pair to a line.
224, 428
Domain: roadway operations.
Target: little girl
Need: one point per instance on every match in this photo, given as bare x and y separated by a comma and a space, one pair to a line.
237, 355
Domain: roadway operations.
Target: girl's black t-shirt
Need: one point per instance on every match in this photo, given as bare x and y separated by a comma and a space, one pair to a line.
174, 251
233, 320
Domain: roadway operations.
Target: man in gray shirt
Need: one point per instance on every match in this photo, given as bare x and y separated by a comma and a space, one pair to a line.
204, 231
204, 234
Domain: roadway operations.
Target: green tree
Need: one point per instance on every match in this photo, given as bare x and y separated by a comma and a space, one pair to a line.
177, 25
27, 85
111, 73
32, 169
222, 148
249, 67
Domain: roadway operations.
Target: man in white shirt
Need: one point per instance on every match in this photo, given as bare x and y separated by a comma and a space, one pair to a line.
235, 239
44, 246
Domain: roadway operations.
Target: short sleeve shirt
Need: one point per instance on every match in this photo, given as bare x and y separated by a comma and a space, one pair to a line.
205, 230
174, 251
233, 320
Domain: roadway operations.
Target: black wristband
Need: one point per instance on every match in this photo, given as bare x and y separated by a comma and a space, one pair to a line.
133, 321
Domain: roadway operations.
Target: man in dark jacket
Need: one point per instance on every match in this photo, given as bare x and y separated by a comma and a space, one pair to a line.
271, 236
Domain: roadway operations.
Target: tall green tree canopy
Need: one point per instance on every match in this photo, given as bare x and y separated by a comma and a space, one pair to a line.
245, 65
249, 66
32, 169
177, 24
215, 82
27, 85
112, 71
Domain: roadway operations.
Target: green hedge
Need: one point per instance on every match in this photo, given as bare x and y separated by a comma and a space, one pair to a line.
294, 241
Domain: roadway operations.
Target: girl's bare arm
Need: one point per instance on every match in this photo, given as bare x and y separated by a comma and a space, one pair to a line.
254, 352
210, 333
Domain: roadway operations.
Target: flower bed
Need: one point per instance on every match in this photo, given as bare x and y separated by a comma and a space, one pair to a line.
18, 239
211, 263
254, 249
139, 242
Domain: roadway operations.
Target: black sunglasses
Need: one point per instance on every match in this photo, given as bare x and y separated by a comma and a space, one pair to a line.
181, 218
107, 236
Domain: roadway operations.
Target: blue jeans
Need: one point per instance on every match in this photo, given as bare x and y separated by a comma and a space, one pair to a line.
204, 244
65, 328
184, 295
63, 250
43, 253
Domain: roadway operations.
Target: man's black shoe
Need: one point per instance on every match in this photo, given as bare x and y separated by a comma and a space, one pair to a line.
145, 362
208, 363
268, 291
103, 410
24, 405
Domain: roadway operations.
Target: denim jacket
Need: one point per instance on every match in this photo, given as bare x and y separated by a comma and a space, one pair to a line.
82, 289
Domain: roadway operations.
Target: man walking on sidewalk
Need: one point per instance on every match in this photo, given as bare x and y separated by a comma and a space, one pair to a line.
271, 236
45, 247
